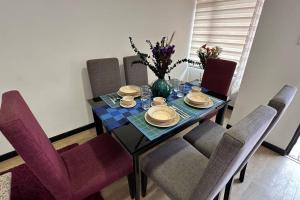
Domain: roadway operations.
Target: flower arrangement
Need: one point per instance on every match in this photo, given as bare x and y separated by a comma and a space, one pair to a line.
160, 62
205, 52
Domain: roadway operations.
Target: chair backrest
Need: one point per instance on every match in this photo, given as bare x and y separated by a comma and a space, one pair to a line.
105, 75
23, 131
135, 73
218, 75
280, 102
234, 146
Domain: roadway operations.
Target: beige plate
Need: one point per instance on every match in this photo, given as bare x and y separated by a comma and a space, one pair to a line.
128, 106
198, 98
162, 125
130, 89
161, 114
211, 103
122, 95
164, 104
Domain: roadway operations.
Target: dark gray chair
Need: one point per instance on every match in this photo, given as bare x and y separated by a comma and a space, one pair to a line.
186, 174
207, 136
135, 73
105, 75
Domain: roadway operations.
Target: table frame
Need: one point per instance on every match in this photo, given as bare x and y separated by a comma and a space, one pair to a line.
120, 132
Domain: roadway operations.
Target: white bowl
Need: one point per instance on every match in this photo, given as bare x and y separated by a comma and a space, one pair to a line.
198, 98
130, 90
161, 114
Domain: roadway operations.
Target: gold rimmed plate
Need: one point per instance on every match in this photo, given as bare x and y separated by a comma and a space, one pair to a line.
129, 90
210, 104
161, 114
162, 125
134, 95
128, 106
198, 98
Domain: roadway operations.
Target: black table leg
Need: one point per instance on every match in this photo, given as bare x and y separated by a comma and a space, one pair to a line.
137, 176
228, 189
242, 174
98, 124
221, 115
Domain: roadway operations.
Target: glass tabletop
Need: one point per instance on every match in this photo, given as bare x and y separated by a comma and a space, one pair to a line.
136, 143
133, 139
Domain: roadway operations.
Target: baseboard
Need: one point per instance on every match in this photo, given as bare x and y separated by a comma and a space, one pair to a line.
72, 132
52, 139
274, 148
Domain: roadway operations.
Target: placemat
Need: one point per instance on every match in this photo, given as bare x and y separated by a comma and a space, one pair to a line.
107, 98
179, 103
152, 132
116, 117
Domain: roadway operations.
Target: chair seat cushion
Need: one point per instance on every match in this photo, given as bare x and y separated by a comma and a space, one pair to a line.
176, 167
96, 164
205, 137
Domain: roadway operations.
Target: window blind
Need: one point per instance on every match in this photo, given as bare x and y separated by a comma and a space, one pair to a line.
223, 23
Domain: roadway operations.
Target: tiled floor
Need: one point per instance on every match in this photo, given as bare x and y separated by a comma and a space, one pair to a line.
269, 176
295, 153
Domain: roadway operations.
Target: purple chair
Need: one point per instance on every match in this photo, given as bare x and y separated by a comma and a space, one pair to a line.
217, 76
76, 173
217, 79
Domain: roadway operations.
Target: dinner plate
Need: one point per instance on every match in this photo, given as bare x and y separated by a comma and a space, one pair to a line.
122, 95
161, 114
130, 90
186, 100
162, 125
128, 106
198, 98
164, 104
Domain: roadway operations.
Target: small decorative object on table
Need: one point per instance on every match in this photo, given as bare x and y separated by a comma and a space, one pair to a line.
206, 52
160, 63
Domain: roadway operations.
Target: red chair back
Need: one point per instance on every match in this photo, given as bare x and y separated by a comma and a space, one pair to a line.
217, 76
23, 131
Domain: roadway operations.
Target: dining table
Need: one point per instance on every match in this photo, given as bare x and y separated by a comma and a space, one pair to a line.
119, 122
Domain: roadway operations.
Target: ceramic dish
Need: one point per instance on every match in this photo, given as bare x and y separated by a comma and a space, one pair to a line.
122, 95
162, 125
198, 98
128, 106
130, 90
161, 114
187, 101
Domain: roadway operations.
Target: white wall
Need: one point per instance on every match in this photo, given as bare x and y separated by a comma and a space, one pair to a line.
44, 45
274, 61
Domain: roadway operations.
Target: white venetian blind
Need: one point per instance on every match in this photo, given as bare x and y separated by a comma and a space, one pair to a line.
223, 23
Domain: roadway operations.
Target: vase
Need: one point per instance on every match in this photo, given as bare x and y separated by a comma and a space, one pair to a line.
161, 88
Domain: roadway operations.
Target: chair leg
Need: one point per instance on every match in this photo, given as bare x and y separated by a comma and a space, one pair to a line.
242, 174
131, 185
228, 189
144, 180
217, 197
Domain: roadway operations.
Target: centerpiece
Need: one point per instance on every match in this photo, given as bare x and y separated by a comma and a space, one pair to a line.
160, 63
206, 52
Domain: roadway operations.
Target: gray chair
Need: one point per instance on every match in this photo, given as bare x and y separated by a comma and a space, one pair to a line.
206, 136
186, 174
135, 73
105, 75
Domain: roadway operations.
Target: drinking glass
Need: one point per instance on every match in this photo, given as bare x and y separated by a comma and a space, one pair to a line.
175, 84
180, 92
146, 97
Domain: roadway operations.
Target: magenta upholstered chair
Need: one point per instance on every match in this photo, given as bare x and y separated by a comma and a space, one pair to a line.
218, 75
77, 173
217, 78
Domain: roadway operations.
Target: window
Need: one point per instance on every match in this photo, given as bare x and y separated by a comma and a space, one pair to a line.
230, 24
